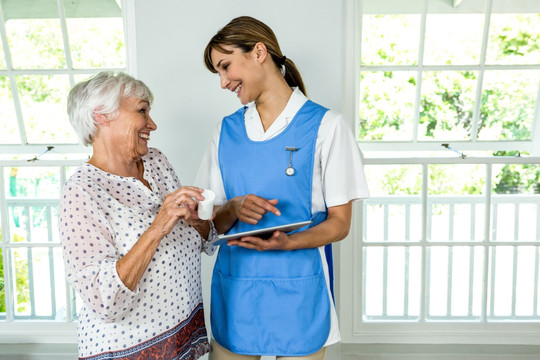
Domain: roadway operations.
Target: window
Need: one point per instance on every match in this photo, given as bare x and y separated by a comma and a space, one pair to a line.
447, 248
438, 71
45, 49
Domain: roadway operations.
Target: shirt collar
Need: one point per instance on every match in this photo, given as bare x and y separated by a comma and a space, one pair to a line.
253, 122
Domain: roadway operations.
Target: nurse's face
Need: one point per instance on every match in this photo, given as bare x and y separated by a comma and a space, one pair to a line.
238, 72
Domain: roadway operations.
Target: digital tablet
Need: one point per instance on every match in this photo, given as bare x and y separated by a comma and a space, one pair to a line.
262, 233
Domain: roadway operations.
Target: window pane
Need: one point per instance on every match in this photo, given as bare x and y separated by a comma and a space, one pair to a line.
386, 105
43, 102
36, 43
41, 223
507, 105
9, 130
2, 56
32, 182
512, 291
392, 282
390, 39
18, 223
97, 42
19, 269
453, 34
399, 217
456, 206
39, 281
2, 285
447, 105
455, 282
516, 202
514, 39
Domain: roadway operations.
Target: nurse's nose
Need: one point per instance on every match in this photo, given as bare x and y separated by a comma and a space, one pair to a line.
224, 80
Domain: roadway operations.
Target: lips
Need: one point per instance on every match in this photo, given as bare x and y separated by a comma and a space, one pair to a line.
236, 90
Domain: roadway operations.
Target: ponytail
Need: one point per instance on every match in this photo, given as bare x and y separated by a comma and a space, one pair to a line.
243, 33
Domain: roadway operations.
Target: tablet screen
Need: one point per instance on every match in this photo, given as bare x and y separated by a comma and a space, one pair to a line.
262, 233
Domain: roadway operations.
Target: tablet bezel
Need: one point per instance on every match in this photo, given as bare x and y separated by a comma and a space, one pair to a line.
223, 238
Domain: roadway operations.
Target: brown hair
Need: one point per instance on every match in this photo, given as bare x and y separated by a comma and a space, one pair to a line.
243, 33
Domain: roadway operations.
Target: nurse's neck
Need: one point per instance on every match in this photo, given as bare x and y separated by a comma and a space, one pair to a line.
271, 103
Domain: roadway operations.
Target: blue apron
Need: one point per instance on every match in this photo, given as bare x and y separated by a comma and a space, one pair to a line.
271, 302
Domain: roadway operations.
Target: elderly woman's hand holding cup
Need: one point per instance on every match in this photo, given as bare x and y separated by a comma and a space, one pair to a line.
206, 207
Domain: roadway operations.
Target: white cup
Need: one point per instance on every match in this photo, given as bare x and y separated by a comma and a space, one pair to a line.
206, 206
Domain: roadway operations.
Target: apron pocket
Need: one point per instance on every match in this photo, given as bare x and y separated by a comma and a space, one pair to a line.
271, 316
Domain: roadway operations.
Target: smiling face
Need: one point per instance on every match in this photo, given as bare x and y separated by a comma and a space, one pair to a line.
130, 130
239, 72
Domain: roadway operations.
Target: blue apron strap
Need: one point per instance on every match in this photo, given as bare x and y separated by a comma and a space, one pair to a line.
330, 262
318, 218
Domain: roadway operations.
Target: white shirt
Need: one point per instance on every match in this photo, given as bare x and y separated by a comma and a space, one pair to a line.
338, 174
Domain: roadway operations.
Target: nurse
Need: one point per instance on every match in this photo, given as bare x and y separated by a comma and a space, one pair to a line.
280, 158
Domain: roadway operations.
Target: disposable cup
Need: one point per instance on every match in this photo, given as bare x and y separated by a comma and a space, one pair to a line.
206, 206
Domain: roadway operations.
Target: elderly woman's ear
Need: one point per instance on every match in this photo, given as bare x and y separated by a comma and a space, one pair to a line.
101, 119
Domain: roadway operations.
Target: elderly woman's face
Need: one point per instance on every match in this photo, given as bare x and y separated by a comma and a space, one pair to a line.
132, 126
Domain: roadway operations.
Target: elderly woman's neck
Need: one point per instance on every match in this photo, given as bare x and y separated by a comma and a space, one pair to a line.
127, 166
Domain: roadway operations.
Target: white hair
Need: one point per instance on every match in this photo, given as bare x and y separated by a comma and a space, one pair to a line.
101, 94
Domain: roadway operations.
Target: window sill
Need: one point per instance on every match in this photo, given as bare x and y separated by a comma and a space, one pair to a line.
38, 333
494, 334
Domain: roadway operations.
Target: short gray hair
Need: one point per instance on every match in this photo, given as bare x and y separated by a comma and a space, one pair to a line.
101, 94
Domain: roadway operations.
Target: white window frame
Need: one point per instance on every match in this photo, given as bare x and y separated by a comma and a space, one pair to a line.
349, 251
52, 332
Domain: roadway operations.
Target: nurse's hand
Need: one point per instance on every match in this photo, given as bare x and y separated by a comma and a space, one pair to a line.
278, 241
251, 208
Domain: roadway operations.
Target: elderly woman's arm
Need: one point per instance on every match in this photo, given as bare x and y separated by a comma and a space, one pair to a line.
107, 279
90, 255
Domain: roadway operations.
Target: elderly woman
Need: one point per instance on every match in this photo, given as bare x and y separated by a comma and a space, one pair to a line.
130, 232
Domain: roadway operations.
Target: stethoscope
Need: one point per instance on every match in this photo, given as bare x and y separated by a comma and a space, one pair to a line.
290, 170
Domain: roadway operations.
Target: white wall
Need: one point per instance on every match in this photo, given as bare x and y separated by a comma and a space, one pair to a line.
171, 37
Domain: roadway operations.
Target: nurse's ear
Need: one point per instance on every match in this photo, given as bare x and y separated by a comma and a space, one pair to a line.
260, 52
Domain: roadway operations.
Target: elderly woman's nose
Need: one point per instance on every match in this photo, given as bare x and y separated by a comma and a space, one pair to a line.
150, 123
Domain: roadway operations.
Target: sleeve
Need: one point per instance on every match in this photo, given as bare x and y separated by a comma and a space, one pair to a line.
208, 248
209, 175
343, 175
90, 255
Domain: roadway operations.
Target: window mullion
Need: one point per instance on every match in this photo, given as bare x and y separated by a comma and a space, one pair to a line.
67, 48
68, 289
12, 82
487, 248
8, 287
483, 51
425, 261
418, 95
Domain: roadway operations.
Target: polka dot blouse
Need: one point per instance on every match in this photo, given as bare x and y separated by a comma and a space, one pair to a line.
101, 216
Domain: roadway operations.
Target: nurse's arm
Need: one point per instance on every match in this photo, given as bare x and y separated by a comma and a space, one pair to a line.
248, 208
334, 228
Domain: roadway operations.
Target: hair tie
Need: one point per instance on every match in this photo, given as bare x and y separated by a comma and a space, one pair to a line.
282, 65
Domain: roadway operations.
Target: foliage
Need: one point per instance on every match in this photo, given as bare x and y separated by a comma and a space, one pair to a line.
446, 108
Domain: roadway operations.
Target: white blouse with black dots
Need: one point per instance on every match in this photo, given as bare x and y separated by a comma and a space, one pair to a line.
101, 216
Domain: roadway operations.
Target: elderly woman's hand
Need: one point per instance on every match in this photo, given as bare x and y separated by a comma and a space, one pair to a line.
180, 204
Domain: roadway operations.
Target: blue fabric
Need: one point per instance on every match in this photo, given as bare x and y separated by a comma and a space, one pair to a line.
271, 302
